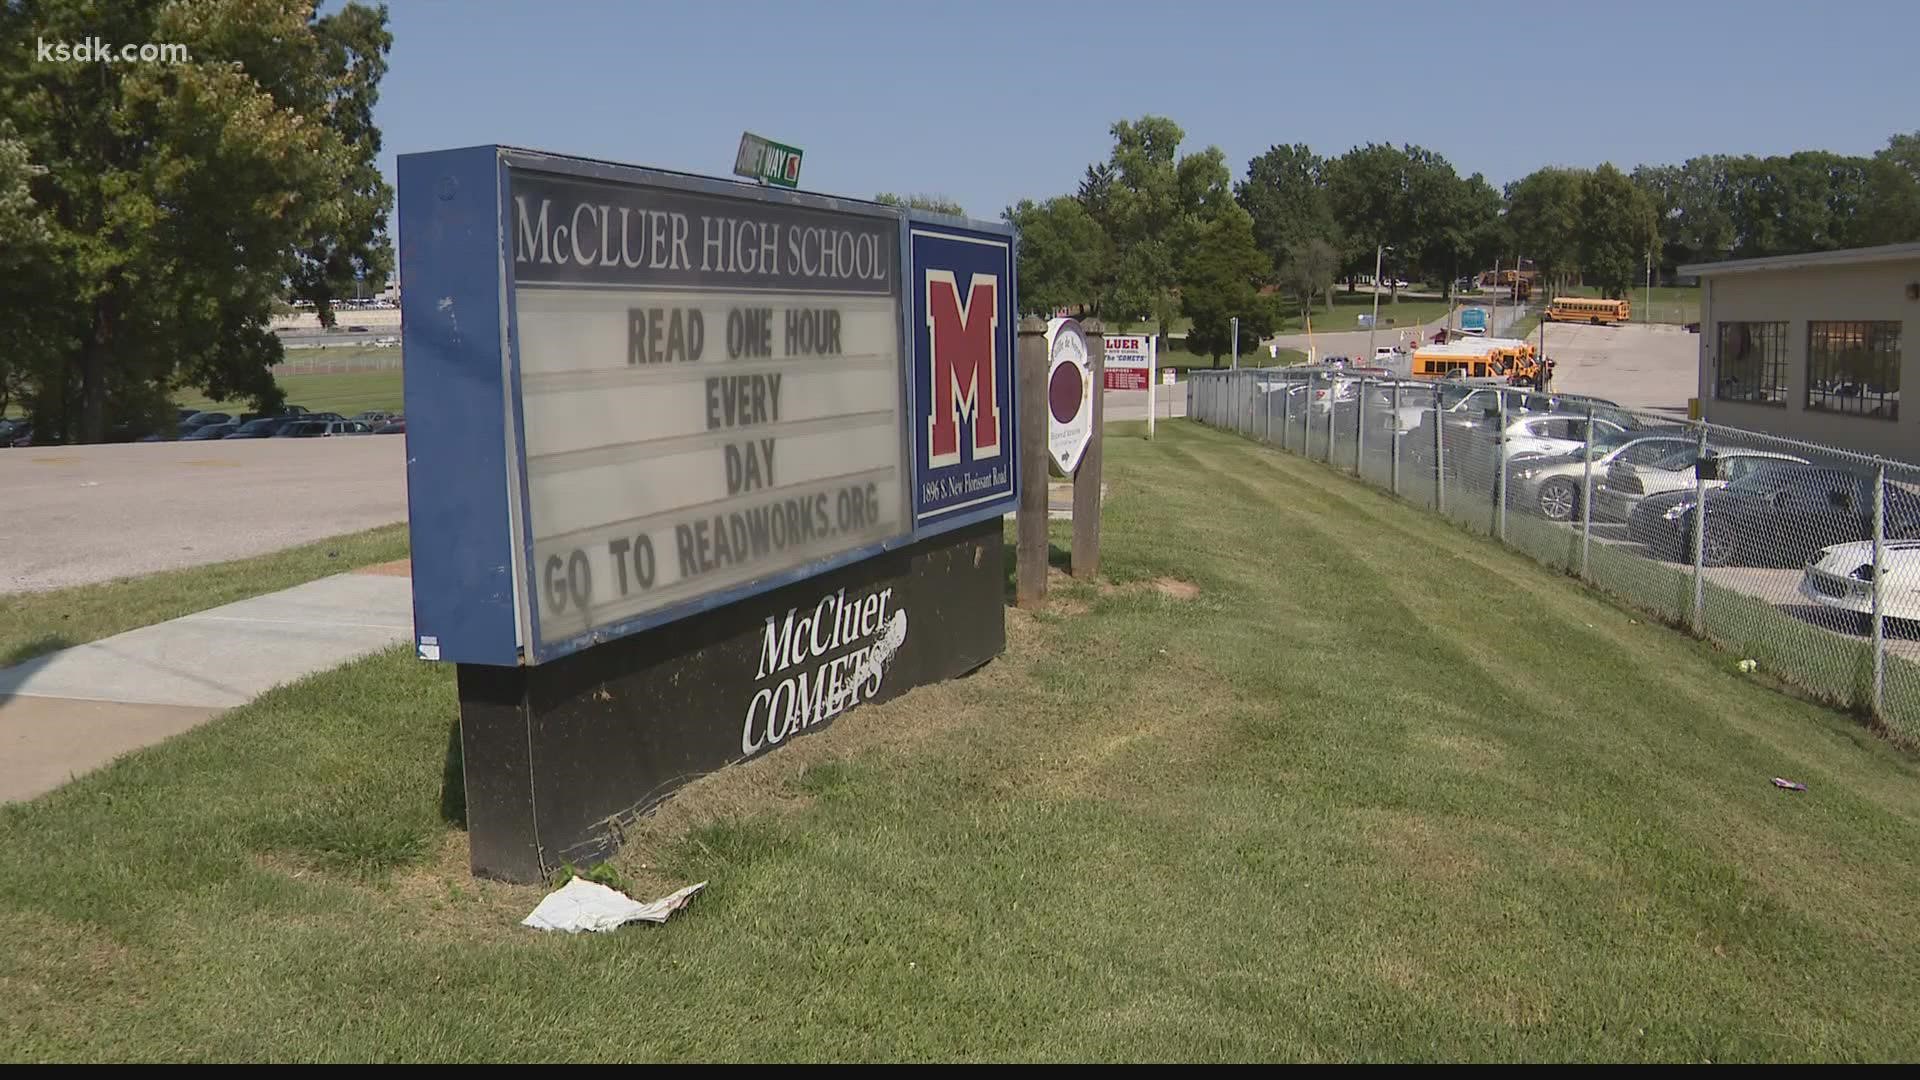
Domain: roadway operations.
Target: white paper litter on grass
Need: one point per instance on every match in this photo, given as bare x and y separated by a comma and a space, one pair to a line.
586, 905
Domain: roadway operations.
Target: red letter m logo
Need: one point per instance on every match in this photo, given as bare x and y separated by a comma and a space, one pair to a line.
961, 334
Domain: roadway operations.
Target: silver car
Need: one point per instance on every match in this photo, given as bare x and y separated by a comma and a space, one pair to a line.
1549, 484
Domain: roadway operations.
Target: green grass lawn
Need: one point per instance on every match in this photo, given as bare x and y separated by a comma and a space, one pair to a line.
1347, 307
1379, 790
346, 393
42, 622
1670, 304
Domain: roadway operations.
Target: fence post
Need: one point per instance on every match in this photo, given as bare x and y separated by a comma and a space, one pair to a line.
1393, 442
1439, 458
1269, 402
1879, 612
1360, 430
1030, 565
1330, 404
1500, 469
1586, 498
1699, 620
1306, 419
1286, 413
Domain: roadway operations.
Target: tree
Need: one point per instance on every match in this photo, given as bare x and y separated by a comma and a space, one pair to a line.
1061, 252
1543, 215
178, 197
1309, 272
934, 204
1367, 187
1286, 193
1617, 229
353, 248
1890, 207
1151, 204
1221, 281
24, 234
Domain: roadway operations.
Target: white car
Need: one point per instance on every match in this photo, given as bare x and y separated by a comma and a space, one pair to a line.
1627, 483
1841, 577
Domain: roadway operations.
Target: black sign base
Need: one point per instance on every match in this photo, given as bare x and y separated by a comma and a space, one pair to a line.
559, 757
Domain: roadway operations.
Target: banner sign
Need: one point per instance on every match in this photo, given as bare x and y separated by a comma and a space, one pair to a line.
1129, 363
635, 395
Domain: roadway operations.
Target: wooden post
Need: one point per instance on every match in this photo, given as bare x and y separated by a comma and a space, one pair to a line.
1086, 479
1031, 551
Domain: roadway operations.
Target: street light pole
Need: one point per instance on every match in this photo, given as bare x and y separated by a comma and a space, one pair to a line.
1374, 325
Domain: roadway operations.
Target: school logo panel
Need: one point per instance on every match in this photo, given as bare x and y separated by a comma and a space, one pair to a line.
963, 353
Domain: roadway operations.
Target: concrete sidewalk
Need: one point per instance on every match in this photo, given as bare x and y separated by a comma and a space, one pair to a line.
72, 711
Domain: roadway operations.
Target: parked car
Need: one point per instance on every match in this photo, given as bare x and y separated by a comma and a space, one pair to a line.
20, 434
356, 329
374, 417
319, 429
210, 431
1779, 515
1550, 484
1841, 577
395, 426
1469, 442
321, 416
1628, 482
265, 427
201, 419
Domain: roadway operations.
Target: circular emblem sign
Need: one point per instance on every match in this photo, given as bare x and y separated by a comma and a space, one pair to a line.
1069, 394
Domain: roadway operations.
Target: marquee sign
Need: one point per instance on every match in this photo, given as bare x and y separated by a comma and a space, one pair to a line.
635, 395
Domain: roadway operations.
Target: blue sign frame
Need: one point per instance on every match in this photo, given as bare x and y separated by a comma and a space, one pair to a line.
965, 379
473, 563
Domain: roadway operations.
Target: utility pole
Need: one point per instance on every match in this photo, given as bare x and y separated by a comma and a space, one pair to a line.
1374, 326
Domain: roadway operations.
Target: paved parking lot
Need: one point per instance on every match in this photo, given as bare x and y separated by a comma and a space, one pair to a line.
1641, 367
75, 515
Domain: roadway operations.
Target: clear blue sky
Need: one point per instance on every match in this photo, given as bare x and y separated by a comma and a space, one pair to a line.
988, 101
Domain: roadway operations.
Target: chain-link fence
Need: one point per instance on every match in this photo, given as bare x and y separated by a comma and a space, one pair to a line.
1803, 558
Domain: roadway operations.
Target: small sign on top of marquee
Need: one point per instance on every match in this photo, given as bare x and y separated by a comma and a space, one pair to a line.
767, 161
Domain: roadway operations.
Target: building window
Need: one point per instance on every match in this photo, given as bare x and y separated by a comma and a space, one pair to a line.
1854, 367
1753, 363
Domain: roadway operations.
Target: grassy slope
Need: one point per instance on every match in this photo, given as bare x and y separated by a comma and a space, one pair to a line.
1380, 790
40, 622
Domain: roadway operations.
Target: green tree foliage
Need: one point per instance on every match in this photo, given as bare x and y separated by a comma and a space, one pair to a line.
180, 199
1890, 210
1221, 281
1286, 193
1617, 229
1543, 216
1309, 272
353, 249
1061, 252
24, 236
933, 204
1367, 187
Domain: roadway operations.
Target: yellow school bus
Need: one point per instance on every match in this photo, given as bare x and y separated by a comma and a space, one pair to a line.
1588, 309
1474, 358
